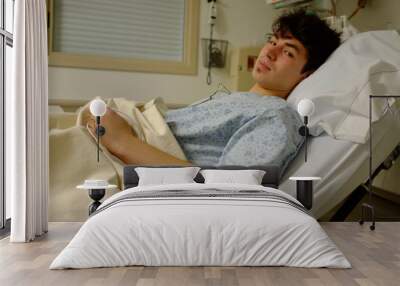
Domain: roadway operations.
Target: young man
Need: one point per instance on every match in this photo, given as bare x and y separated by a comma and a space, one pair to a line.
253, 128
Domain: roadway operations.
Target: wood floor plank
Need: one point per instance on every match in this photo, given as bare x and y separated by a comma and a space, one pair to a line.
375, 258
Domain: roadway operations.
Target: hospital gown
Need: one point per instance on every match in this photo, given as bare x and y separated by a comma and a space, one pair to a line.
240, 128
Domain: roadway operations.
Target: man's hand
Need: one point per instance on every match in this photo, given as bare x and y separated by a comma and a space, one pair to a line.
121, 141
118, 131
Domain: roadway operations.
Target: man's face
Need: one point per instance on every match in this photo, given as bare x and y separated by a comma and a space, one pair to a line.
279, 64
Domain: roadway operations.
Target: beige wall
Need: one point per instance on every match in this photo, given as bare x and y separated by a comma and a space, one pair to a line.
377, 15
242, 23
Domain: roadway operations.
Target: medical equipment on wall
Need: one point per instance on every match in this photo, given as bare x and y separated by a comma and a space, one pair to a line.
305, 108
341, 25
360, 5
286, 3
326, 9
214, 51
98, 108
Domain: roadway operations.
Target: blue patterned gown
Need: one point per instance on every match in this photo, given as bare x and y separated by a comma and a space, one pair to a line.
240, 128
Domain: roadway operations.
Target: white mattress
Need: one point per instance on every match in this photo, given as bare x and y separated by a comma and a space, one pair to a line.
342, 165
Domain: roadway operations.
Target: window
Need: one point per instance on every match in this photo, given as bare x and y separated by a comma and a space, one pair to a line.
133, 35
6, 43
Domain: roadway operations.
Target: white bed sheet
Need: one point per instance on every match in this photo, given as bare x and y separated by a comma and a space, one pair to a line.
342, 165
188, 231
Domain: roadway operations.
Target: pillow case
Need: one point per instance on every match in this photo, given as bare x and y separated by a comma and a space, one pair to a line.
248, 177
162, 176
366, 64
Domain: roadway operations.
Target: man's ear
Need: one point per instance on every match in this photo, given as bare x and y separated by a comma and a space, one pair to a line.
303, 76
306, 74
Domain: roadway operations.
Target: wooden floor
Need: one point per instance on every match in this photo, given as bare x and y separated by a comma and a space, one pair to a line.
375, 257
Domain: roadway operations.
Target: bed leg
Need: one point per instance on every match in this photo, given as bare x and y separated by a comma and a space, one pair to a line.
350, 203
365, 210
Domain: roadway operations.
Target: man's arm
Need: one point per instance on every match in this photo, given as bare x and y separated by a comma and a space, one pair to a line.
134, 151
120, 140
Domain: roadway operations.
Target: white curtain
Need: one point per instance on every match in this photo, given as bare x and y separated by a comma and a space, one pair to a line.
27, 123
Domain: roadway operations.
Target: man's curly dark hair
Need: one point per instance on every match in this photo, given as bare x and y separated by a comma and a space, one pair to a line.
313, 32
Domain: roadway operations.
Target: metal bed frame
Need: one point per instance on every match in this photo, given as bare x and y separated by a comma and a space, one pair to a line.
367, 209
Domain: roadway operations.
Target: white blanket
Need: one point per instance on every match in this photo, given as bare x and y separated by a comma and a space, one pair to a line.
225, 231
73, 153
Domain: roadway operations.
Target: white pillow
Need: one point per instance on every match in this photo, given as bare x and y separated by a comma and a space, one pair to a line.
366, 64
248, 177
162, 176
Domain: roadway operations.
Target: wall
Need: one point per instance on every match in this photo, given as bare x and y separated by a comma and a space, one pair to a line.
377, 15
242, 23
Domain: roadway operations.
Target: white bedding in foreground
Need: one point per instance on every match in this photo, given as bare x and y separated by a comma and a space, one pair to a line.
183, 231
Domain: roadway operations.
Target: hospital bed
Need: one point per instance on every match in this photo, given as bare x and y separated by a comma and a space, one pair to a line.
366, 64
342, 165
340, 89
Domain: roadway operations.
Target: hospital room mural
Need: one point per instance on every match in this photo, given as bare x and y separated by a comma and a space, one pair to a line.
282, 87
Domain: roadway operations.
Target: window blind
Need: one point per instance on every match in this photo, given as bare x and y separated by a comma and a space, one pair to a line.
141, 29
